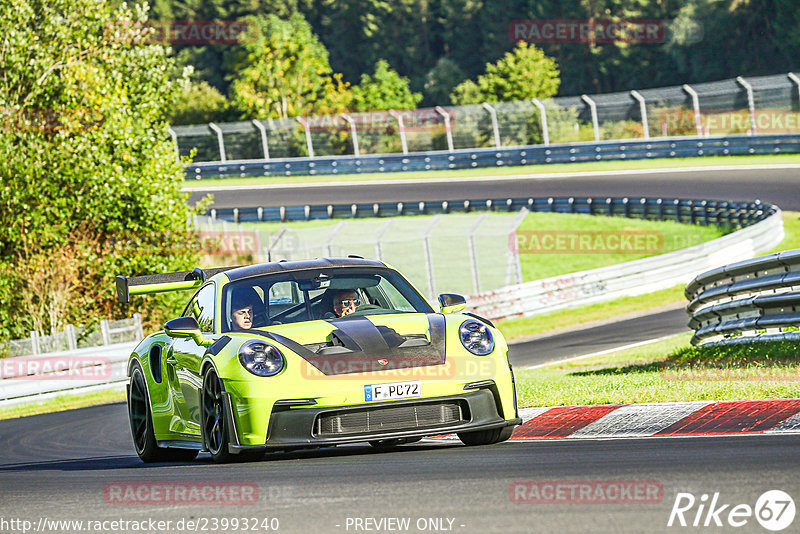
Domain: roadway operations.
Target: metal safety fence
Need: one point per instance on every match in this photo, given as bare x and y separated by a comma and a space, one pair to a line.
107, 332
675, 147
752, 105
748, 301
761, 228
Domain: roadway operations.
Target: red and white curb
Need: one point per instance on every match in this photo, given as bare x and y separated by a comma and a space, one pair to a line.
702, 418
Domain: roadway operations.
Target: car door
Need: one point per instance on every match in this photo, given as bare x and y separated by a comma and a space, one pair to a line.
185, 362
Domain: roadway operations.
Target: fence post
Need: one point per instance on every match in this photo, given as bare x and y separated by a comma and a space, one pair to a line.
137, 322
174, 136
495, 128
104, 332
35, 348
426, 248
331, 237
401, 129
72, 343
593, 109
353, 133
473, 254
446, 116
796, 80
379, 239
220, 140
543, 113
264, 143
750, 103
304, 123
698, 119
643, 111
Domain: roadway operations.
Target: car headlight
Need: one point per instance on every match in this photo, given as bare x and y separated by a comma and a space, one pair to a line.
261, 358
476, 337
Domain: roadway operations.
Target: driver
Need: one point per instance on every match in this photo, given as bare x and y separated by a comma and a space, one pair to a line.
345, 302
243, 302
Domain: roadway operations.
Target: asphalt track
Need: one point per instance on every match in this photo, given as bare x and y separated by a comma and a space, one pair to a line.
776, 186
58, 466
598, 338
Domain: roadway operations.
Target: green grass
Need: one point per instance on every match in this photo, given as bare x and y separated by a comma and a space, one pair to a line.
546, 322
654, 237
645, 374
67, 401
506, 171
791, 229
538, 227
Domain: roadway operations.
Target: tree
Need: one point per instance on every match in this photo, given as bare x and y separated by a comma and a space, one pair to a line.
198, 103
284, 72
522, 74
89, 185
440, 82
385, 89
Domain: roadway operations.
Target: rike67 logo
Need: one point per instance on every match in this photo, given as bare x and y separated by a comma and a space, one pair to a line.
774, 510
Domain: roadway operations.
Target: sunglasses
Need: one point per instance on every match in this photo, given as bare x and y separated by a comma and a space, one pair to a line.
346, 303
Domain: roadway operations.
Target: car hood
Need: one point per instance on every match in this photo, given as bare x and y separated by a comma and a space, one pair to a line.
365, 343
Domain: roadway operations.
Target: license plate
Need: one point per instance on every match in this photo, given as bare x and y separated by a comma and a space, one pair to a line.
394, 390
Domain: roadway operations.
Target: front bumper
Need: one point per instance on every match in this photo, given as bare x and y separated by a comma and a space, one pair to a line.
313, 427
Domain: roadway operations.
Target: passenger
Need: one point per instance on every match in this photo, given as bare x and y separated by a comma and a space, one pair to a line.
345, 302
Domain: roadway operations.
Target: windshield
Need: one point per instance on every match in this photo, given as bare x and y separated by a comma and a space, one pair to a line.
320, 294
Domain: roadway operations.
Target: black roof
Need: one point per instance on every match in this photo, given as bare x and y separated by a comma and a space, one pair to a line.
239, 273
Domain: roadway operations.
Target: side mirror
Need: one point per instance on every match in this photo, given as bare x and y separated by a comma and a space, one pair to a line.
185, 327
451, 303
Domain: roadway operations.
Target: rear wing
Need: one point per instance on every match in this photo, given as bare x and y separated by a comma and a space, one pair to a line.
159, 283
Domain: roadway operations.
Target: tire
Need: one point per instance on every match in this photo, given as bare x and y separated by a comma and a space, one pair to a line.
486, 437
141, 422
214, 423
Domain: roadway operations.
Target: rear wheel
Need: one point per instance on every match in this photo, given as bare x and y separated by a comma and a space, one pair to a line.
141, 421
215, 426
486, 437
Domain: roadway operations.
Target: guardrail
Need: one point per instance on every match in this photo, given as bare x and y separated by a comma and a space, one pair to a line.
25, 379
494, 157
752, 300
670, 209
635, 277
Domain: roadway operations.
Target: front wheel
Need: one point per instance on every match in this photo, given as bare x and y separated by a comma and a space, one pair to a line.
486, 437
215, 426
141, 421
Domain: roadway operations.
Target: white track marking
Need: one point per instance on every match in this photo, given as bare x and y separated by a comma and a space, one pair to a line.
602, 352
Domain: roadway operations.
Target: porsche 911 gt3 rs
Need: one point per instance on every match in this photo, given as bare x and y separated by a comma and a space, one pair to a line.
287, 355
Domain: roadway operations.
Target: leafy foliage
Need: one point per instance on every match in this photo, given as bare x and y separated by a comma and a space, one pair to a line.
86, 164
284, 72
199, 103
522, 74
385, 89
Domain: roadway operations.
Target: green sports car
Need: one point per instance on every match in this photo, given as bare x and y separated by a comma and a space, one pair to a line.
295, 354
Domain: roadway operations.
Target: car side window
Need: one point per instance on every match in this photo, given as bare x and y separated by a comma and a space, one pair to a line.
202, 308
